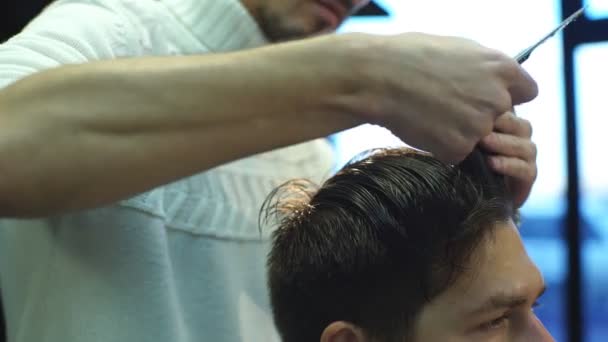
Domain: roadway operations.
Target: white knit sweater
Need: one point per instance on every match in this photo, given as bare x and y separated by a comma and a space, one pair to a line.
184, 262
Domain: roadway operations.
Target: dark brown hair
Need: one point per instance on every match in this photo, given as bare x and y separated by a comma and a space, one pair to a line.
377, 241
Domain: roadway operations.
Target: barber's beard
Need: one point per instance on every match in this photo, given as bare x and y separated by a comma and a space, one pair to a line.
277, 28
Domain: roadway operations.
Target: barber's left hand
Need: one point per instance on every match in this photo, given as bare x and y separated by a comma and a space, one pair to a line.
513, 154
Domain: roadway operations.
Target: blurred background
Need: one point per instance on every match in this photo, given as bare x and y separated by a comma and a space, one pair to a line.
565, 221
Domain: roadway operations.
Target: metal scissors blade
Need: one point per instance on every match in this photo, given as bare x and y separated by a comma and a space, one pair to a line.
525, 54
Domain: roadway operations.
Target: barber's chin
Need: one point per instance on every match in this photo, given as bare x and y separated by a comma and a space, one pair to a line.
327, 15
323, 27
325, 31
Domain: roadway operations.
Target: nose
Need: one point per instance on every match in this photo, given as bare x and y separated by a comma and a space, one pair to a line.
539, 332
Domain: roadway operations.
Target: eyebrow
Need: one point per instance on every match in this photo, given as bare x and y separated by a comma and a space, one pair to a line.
505, 301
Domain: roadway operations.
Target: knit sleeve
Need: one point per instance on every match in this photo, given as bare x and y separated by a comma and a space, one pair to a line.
68, 32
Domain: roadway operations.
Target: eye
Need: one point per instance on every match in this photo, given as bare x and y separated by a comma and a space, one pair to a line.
536, 305
496, 323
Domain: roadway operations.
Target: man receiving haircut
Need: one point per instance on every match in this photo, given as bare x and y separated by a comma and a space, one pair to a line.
399, 246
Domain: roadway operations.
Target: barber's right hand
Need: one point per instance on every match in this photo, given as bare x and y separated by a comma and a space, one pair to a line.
439, 94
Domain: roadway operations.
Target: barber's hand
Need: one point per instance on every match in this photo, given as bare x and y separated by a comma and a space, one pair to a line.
439, 94
514, 154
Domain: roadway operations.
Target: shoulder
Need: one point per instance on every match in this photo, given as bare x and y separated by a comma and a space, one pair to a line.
71, 32
102, 26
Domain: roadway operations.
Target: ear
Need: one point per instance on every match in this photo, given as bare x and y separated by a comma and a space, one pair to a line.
343, 332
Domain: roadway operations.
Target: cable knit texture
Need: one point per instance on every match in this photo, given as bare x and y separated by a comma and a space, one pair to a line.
183, 262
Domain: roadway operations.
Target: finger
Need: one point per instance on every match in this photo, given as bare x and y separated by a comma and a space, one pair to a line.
519, 190
514, 167
522, 86
510, 146
512, 124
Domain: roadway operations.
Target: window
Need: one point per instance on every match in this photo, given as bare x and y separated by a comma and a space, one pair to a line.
591, 63
597, 9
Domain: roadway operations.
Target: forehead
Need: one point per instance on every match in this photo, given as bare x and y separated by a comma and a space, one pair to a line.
499, 264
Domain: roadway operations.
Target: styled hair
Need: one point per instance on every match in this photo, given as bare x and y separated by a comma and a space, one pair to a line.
377, 241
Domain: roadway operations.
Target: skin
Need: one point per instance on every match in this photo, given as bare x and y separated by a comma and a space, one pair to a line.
121, 122
293, 19
514, 153
499, 268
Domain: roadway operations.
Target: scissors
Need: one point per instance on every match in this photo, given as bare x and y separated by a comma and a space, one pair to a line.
525, 54
477, 157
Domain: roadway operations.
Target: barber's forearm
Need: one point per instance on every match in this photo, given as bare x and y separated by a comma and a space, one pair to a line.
84, 136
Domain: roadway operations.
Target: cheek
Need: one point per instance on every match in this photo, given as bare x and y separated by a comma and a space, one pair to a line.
435, 329
303, 11
438, 336
499, 335
303, 16
292, 8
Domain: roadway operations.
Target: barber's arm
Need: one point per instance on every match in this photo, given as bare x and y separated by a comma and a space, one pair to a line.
81, 136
